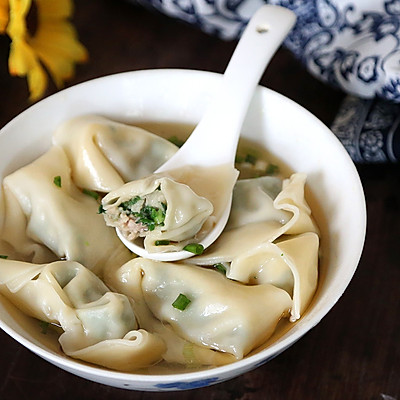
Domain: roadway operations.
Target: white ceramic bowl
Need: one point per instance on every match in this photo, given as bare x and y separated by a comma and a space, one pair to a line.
283, 127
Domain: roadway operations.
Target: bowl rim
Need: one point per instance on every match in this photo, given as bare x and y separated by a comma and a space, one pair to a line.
239, 366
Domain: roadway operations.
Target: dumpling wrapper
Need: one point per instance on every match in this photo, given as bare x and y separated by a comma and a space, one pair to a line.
15, 242
288, 213
253, 202
137, 349
292, 199
41, 216
99, 326
290, 264
223, 315
197, 197
105, 154
247, 248
178, 349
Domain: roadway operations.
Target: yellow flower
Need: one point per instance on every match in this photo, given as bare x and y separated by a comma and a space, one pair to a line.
53, 45
3, 15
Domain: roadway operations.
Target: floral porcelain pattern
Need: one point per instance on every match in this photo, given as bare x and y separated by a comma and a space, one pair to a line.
354, 45
369, 129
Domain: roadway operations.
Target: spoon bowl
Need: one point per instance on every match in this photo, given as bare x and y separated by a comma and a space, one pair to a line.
223, 120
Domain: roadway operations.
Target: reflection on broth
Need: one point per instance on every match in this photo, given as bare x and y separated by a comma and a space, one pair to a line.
63, 266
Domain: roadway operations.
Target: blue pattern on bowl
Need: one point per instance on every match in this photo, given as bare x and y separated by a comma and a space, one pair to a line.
188, 385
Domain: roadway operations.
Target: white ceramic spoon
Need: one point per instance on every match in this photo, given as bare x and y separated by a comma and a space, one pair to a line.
222, 122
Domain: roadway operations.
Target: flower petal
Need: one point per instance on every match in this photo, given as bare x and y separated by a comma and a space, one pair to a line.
16, 28
54, 45
3, 15
23, 62
52, 9
57, 46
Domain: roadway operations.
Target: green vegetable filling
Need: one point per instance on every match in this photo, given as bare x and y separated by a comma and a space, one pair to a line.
147, 215
181, 302
127, 205
3, 256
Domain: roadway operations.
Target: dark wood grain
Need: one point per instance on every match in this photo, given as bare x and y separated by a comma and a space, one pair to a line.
354, 352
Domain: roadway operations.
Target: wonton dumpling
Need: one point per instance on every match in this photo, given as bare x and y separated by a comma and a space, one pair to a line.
178, 349
247, 249
292, 199
223, 315
291, 264
63, 219
105, 154
158, 209
14, 241
287, 213
137, 349
98, 324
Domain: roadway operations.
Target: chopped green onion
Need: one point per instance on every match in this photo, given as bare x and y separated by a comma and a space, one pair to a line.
101, 209
220, 268
44, 326
181, 302
189, 355
250, 158
57, 180
195, 248
3, 256
162, 242
91, 193
239, 159
272, 169
176, 141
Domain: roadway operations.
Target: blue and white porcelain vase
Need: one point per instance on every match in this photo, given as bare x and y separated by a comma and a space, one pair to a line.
351, 44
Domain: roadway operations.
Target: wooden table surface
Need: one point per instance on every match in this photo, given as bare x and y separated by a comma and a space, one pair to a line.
354, 352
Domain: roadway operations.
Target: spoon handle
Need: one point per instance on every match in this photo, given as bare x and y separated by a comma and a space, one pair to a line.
214, 140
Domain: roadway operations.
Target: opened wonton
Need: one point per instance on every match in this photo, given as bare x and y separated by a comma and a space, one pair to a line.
166, 213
